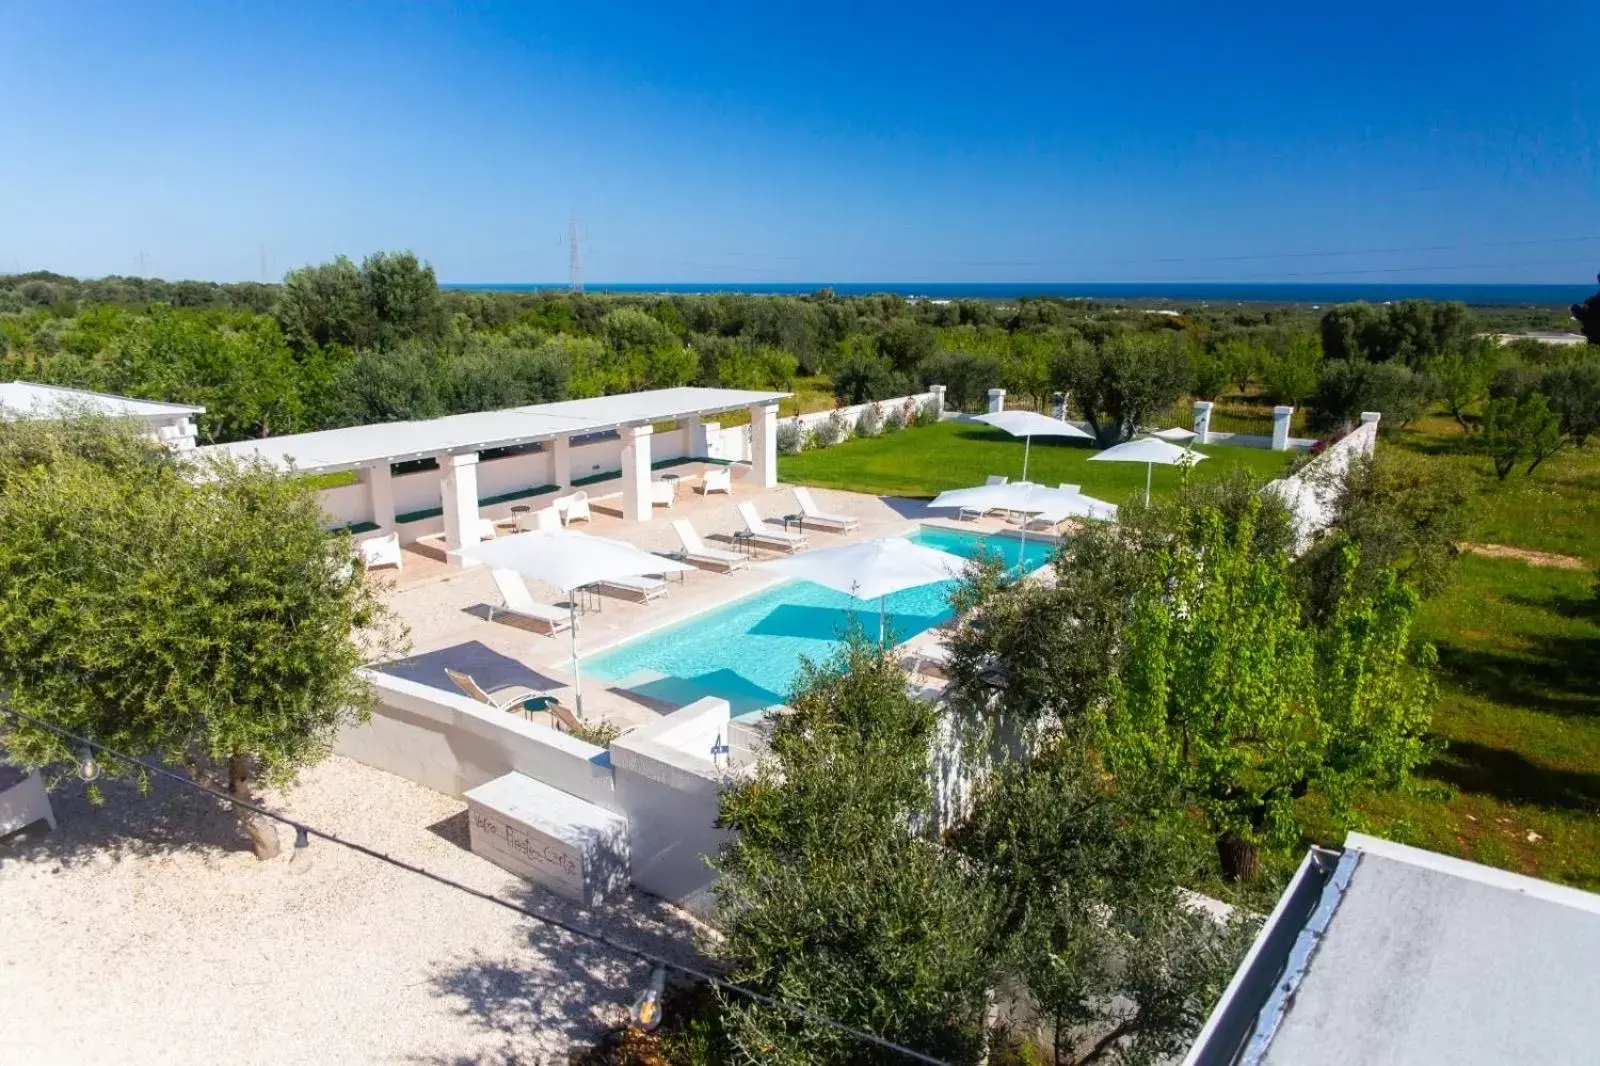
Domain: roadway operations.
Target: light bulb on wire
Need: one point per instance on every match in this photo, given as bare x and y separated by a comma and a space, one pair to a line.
88, 765
301, 859
646, 1013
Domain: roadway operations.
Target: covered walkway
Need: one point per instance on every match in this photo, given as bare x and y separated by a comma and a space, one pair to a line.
421, 478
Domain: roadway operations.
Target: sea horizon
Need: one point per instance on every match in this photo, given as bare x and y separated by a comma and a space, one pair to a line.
1482, 293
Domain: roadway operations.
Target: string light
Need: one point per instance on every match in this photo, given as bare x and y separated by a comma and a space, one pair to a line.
88, 765
661, 964
646, 1012
301, 859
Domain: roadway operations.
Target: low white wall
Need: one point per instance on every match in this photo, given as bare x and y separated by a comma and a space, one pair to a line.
347, 504
659, 776
852, 414
1256, 440
450, 743
417, 491
670, 788
515, 472
1313, 493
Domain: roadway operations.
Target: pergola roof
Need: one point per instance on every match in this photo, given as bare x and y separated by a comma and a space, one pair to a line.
360, 446
24, 399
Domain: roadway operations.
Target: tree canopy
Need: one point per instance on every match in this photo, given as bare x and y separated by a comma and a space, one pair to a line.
200, 616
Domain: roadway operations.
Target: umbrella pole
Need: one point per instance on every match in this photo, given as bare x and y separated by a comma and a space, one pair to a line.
1027, 443
577, 680
882, 629
1148, 469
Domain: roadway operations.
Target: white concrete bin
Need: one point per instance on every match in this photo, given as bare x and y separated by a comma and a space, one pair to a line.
23, 800
554, 839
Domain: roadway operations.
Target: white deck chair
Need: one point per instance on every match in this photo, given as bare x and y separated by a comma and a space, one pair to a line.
841, 523
663, 493
381, 551
697, 551
760, 530
516, 698
644, 586
574, 508
718, 479
518, 602
486, 529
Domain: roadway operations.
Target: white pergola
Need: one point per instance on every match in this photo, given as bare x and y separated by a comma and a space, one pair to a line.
456, 441
170, 423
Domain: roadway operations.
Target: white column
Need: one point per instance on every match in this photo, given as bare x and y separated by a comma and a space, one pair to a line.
561, 461
1202, 421
636, 504
694, 436
938, 400
764, 445
380, 493
997, 400
459, 489
1280, 428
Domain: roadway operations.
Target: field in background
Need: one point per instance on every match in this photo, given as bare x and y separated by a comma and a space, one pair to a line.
1517, 782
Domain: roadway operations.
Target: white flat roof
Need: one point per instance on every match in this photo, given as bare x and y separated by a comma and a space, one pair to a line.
26, 400
359, 446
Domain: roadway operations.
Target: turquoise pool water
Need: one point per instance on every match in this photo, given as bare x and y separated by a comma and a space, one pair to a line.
749, 651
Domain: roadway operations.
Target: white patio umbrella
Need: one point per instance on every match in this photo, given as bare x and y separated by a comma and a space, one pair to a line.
1024, 497
1060, 506
1149, 451
568, 561
871, 569
1028, 425
1176, 435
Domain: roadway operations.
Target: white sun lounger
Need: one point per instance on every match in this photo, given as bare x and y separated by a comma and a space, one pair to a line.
840, 523
697, 551
758, 529
519, 603
644, 586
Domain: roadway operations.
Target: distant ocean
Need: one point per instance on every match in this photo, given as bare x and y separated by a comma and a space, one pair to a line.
1175, 291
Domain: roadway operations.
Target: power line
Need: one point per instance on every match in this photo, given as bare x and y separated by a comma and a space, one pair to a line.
566, 927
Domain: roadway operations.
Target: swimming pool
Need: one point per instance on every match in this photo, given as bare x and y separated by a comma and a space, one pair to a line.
748, 652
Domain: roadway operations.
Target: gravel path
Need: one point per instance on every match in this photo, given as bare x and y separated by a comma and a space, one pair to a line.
144, 931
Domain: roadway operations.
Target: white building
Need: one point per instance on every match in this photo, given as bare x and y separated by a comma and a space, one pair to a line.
170, 423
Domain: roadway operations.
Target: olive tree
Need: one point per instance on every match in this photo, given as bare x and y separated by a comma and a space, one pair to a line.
197, 614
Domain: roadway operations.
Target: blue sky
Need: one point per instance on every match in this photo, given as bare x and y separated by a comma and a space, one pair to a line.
748, 141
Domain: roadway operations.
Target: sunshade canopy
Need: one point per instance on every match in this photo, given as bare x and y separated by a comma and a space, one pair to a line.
1031, 424
871, 568
567, 560
1177, 435
1061, 505
1148, 450
1021, 496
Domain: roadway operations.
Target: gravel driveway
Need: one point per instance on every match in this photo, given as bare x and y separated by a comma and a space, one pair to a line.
143, 931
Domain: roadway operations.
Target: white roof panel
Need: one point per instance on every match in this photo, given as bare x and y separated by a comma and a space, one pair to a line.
657, 405
357, 446
27, 400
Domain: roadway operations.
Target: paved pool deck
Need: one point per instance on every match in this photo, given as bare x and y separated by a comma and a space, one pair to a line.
445, 607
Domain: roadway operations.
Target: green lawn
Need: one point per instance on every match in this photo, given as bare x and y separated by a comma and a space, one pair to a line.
951, 455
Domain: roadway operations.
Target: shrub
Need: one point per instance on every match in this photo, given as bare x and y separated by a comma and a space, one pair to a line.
927, 413
826, 432
870, 424
897, 417
791, 438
